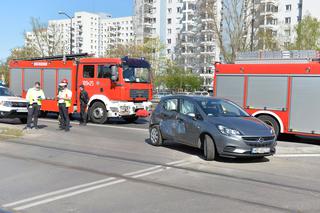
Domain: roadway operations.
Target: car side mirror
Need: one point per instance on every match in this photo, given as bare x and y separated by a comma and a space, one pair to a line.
195, 116
114, 73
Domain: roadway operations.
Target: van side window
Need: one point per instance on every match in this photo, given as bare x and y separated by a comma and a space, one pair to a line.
104, 71
88, 71
170, 105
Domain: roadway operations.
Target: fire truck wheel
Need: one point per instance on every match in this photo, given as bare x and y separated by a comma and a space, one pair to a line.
98, 113
130, 119
271, 122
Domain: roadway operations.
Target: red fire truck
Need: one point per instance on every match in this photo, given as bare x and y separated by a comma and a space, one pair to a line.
283, 93
117, 87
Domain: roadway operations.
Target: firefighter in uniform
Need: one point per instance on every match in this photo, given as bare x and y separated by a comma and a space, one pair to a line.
35, 96
64, 102
84, 99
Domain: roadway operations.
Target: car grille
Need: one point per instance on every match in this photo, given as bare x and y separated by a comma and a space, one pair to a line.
19, 104
135, 93
259, 141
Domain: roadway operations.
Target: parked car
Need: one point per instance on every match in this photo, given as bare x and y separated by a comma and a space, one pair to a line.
217, 126
12, 106
160, 95
203, 93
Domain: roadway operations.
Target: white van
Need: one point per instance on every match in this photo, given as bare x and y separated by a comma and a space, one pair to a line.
12, 106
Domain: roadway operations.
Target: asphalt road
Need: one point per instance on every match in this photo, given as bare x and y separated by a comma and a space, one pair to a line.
112, 168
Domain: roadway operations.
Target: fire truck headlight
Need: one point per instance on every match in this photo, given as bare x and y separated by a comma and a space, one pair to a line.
114, 109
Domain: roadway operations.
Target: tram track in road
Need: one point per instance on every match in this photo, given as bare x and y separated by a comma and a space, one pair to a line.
313, 192
113, 179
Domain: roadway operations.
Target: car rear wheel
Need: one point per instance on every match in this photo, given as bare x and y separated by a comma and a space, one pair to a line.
98, 113
155, 136
209, 150
271, 122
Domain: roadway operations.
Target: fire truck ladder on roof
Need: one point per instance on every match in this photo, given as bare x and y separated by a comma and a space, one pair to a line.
57, 57
277, 57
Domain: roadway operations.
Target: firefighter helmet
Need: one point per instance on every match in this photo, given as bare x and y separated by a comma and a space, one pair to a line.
64, 81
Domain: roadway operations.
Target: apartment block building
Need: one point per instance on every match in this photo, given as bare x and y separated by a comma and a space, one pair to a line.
93, 33
186, 31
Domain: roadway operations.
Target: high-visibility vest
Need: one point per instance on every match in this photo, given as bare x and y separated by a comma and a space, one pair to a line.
35, 96
65, 96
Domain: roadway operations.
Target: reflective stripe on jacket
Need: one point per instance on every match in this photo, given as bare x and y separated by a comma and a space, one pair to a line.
65, 96
35, 96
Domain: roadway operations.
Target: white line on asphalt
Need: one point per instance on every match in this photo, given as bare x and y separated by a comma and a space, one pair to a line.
148, 173
58, 192
296, 155
68, 195
102, 125
143, 170
79, 189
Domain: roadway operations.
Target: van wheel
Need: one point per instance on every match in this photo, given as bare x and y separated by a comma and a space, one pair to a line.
209, 150
155, 136
271, 122
98, 113
23, 120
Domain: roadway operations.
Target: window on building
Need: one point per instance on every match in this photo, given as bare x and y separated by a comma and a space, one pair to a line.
178, 9
169, 20
169, 10
169, 31
169, 1
88, 71
287, 32
288, 7
169, 41
288, 20
168, 51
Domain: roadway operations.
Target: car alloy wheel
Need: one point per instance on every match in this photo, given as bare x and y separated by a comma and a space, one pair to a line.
155, 136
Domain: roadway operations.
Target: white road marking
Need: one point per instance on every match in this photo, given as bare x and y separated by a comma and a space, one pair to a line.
296, 155
68, 195
57, 192
101, 125
143, 170
79, 189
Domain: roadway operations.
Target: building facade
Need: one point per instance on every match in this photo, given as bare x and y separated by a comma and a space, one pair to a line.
91, 33
186, 31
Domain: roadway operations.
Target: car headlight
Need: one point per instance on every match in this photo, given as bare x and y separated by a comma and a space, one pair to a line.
5, 103
228, 131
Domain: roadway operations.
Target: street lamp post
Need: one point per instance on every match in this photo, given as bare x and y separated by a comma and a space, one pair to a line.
252, 26
63, 13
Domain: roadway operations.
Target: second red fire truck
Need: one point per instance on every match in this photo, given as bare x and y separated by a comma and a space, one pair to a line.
117, 87
284, 93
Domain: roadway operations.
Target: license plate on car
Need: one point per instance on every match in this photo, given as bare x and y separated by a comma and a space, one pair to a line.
261, 150
22, 110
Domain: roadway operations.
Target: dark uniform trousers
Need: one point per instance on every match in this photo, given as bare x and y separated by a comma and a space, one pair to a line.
64, 116
83, 113
33, 112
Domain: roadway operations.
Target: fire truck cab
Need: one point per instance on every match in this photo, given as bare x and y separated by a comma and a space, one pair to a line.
284, 93
117, 87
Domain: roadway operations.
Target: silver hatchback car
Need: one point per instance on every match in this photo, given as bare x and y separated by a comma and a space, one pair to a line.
217, 126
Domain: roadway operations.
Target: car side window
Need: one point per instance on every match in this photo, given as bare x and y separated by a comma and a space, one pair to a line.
187, 108
170, 105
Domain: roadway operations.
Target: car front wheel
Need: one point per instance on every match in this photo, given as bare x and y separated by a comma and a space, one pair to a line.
155, 136
209, 150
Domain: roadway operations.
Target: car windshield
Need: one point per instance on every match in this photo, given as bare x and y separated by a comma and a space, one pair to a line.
5, 92
136, 75
221, 108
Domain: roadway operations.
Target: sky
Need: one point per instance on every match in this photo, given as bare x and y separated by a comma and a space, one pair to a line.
15, 16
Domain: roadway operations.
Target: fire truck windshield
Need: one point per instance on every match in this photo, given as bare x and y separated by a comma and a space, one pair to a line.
136, 74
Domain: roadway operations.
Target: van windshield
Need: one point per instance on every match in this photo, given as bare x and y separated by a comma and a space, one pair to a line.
5, 92
136, 74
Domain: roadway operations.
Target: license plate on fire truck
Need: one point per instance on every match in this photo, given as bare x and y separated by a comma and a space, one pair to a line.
260, 150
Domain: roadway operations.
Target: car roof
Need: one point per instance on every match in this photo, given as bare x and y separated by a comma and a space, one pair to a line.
193, 97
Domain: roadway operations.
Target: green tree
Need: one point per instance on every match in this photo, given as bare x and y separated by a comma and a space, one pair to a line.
266, 40
308, 34
152, 50
178, 79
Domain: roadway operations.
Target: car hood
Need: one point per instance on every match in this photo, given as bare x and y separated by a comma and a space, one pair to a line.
246, 125
12, 98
